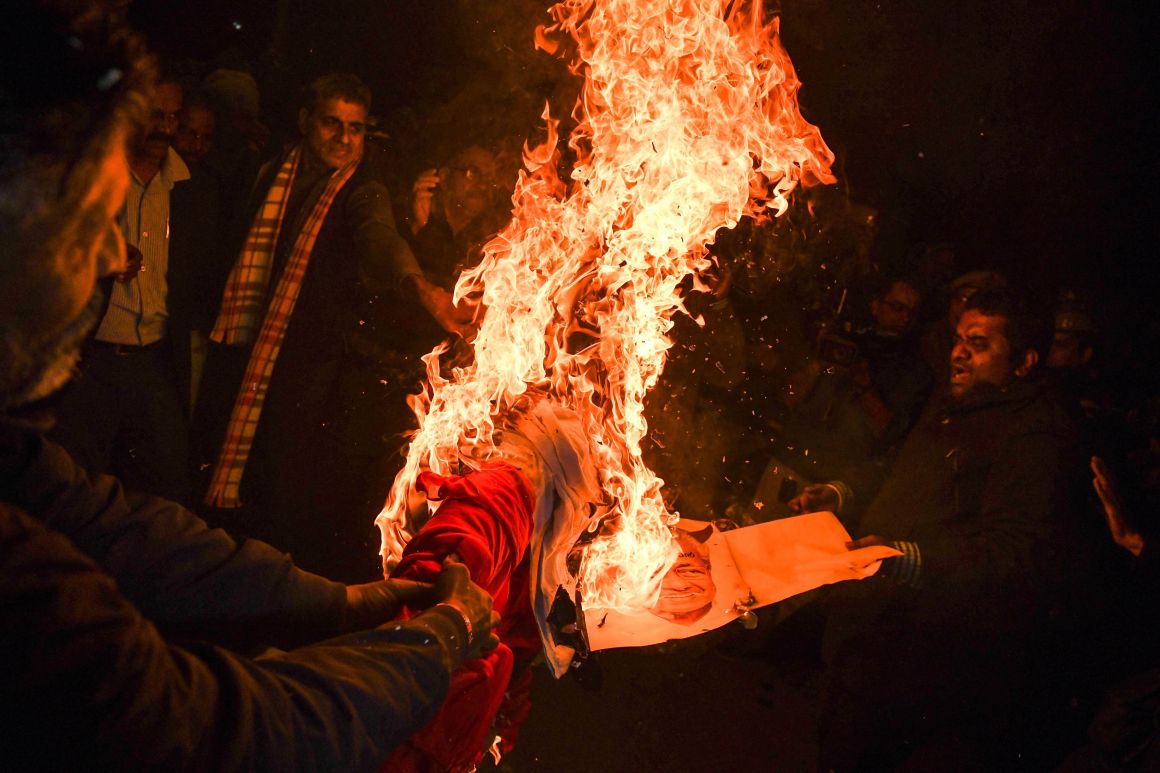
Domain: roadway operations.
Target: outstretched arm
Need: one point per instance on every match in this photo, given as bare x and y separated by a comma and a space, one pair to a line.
92, 684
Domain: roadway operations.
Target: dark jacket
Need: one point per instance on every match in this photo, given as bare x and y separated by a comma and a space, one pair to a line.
983, 488
98, 586
198, 264
322, 426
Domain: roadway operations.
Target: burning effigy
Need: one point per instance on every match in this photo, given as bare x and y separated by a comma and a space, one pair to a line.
687, 122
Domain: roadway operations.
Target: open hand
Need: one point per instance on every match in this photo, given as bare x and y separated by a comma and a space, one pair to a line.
422, 196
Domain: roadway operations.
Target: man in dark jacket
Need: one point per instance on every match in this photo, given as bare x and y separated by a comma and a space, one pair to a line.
122, 616
930, 657
296, 421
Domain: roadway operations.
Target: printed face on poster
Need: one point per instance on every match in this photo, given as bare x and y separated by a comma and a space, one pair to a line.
697, 595
719, 575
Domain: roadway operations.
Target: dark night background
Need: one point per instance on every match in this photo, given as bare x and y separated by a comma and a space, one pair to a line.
1020, 131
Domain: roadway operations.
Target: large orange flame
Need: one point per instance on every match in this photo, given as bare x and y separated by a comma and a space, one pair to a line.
688, 120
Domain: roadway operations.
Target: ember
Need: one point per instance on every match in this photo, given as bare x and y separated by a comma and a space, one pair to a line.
688, 120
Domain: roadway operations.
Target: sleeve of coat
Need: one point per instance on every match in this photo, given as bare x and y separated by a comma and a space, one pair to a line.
384, 256
90, 684
184, 576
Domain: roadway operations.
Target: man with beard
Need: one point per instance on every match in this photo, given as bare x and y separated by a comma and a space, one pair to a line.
933, 659
125, 413
122, 616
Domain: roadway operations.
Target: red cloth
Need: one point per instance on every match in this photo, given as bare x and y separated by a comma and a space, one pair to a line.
486, 518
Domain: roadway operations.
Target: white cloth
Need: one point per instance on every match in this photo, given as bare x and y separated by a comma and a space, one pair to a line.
566, 491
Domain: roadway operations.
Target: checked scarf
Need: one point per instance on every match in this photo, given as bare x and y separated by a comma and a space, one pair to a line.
244, 308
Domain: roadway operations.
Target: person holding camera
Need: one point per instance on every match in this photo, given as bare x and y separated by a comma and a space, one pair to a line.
892, 378
454, 209
867, 389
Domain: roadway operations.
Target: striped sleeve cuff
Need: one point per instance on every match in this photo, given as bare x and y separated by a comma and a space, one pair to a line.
844, 492
906, 568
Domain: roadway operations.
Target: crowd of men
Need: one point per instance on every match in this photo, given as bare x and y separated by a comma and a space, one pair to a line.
195, 320
233, 368
130, 627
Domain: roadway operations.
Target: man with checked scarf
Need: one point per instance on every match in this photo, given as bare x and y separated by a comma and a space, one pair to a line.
295, 426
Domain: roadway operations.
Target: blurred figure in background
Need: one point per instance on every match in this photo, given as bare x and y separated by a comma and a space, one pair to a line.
1124, 733
198, 280
454, 210
196, 127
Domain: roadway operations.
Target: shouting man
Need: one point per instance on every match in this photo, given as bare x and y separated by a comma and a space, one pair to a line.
975, 501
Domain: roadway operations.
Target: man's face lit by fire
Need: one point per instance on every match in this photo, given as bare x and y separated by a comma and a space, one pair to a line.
687, 590
335, 131
895, 311
469, 182
982, 354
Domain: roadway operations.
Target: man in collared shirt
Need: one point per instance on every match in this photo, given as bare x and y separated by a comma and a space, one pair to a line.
124, 413
952, 634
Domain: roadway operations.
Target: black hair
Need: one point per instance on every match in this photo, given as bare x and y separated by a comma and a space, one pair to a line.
337, 85
886, 283
1026, 327
199, 98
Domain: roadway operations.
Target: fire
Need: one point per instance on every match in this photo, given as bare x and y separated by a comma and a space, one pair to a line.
687, 121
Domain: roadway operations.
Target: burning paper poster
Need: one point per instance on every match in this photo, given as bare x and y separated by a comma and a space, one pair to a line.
688, 121
719, 575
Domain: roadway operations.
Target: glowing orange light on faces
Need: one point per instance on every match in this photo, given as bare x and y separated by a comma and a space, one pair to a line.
688, 120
